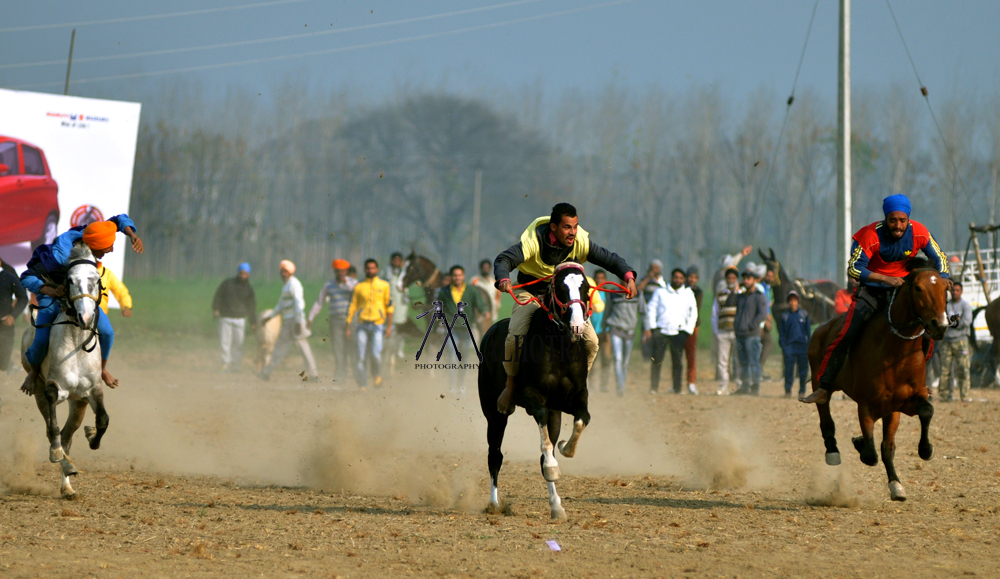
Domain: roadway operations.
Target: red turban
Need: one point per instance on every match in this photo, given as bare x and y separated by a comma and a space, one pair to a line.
100, 235
341, 264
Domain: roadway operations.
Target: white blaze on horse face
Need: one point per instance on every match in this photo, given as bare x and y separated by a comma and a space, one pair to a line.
573, 282
81, 283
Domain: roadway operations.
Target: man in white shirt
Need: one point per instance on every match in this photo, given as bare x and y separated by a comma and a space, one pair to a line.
400, 297
291, 307
672, 312
486, 281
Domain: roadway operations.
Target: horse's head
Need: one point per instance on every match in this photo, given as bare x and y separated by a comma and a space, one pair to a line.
773, 265
569, 294
417, 269
928, 296
83, 285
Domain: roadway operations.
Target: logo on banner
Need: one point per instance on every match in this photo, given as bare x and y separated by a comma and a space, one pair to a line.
85, 215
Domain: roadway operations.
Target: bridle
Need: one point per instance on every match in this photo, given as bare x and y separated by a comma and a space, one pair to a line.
554, 297
68, 306
918, 322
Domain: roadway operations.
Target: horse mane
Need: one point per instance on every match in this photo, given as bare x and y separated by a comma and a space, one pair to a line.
80, 251
915, 266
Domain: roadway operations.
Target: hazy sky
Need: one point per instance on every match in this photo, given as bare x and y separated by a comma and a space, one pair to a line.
742, 45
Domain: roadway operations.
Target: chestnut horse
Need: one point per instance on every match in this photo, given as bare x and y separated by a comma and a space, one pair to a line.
884, 372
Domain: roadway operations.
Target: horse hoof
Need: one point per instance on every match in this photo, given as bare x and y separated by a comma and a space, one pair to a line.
925, 451
68, 468
558, 512
896, 491
551, 473
56, 454
89, 432
833, 458
68, 493
568, 453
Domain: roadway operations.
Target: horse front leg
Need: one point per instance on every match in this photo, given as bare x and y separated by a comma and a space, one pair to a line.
46, 398
925, 410
865, 444
77, 410
550, 467
829, 430
580, 421
101, 419
889, 425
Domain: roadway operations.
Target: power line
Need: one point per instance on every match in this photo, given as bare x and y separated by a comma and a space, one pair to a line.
335, 50
149, 16
274, 38
784, 121
924, 93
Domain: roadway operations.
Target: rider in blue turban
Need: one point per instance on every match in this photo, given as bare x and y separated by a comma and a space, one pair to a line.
897, 202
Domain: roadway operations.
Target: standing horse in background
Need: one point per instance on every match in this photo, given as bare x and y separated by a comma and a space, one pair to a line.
816, 298
552, 378
884, 372
419, 270
72, 369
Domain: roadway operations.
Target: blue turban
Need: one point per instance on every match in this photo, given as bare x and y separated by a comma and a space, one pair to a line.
897, 202
244, 267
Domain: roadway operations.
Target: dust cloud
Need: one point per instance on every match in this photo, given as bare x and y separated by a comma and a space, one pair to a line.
831, 487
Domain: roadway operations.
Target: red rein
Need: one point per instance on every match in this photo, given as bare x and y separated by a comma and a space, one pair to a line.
590, 305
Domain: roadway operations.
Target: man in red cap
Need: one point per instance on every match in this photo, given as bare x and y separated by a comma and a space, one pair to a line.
44, 277
337, 294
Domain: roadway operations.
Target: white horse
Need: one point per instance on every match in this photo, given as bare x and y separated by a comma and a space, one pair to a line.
72, 369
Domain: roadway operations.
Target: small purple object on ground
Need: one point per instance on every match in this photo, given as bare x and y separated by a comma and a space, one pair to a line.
553, 546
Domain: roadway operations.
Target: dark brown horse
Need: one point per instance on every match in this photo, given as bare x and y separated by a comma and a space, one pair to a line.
552, 377
884, 372
815, 297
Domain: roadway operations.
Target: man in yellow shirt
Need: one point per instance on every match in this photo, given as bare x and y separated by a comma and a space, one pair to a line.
372, 301
110, 282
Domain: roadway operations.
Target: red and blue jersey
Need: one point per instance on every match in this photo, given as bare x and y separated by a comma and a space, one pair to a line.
875, 251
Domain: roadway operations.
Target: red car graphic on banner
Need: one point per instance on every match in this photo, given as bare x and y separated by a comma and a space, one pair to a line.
29, 196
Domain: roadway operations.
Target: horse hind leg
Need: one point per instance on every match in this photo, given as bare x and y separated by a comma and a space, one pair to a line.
496, 425
829, 430
102, 420
889, 425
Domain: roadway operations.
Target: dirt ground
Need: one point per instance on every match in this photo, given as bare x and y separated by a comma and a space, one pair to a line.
211, 474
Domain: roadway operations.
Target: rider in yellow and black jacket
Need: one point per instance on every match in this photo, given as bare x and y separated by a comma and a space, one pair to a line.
547, 242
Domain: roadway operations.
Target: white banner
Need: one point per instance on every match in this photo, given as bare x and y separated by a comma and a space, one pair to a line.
66, 156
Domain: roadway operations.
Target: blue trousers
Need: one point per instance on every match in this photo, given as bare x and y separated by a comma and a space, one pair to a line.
748, 351
48, 310
803, 361
622, 349
369, 333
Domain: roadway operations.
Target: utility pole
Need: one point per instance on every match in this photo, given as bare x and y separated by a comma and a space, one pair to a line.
477, 204
69, 63
844, 230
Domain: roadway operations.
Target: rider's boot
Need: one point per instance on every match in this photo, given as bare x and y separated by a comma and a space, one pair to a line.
505, 403
32, 380
110, 380
820, 396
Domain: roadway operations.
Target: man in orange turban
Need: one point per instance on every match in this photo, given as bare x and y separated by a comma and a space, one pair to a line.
50, 262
